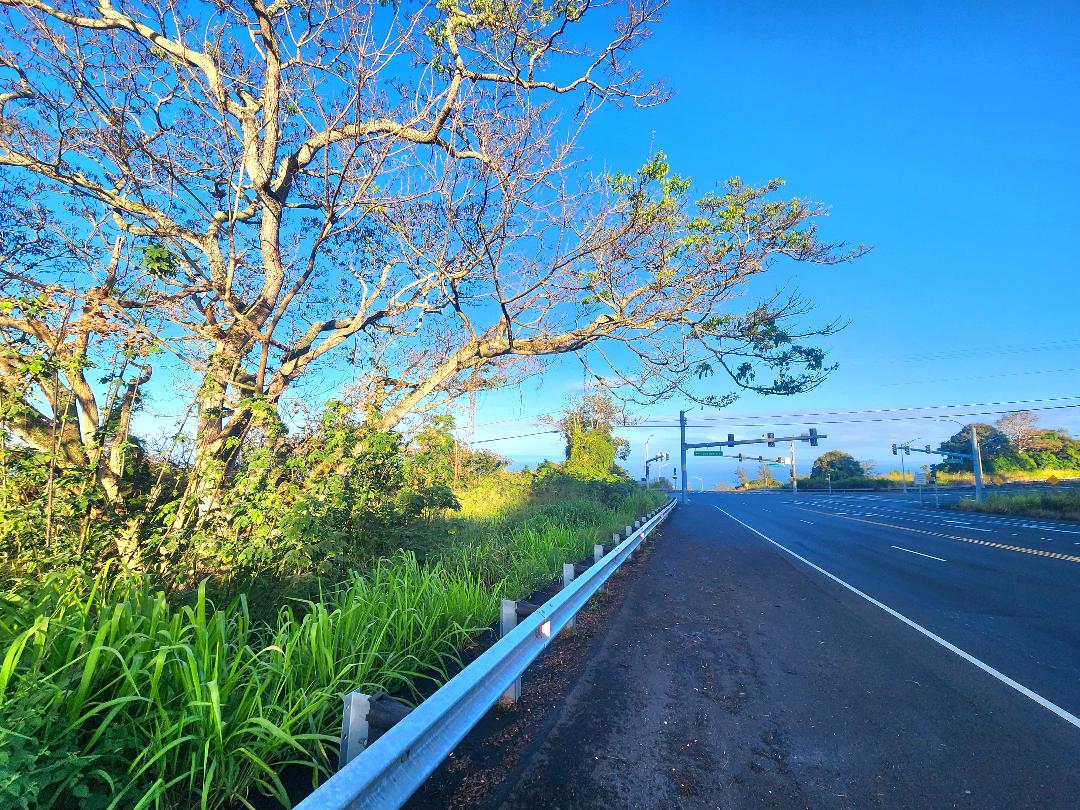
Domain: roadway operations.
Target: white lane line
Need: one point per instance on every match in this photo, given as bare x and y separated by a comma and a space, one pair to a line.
809, 521
1068, 717
909, 551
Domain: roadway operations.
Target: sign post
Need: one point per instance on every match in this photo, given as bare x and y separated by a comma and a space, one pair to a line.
920, 482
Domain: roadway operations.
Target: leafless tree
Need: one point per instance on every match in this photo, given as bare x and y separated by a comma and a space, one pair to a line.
1022, 429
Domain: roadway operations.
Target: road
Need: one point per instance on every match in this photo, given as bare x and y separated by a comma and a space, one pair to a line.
827, 651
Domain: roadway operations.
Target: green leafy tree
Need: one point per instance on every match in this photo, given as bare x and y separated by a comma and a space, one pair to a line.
588, 426
838, 465
994, 446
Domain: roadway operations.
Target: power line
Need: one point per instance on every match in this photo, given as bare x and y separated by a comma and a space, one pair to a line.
868, 421
519, 436
984, 376
856, 411
1065, 344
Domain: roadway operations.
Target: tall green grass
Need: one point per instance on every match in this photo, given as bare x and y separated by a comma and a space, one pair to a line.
1061, 505
111, 697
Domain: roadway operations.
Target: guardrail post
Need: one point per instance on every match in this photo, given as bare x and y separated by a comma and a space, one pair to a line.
597, 553
354, 727
568, 571
509, 613
507, 622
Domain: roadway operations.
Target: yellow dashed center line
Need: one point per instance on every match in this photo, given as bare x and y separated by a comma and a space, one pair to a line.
1054, 555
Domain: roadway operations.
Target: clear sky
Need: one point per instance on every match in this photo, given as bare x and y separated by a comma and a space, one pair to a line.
945, 134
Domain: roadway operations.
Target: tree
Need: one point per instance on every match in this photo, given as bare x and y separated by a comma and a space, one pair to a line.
1022, 429
993, 445
744, 479
71, 368
838, 465
764, 477
587, 426
320, 181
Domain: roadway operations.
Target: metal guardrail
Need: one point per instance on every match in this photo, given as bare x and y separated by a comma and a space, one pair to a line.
387, 772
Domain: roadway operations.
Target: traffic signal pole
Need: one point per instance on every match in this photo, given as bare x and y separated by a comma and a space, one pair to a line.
976, 463
950, 455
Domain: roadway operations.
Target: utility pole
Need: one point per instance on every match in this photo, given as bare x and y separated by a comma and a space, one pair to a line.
903, 474
682, 451
976, 463
794, 480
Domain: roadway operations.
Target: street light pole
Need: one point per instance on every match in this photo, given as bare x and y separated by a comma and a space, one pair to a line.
701, 482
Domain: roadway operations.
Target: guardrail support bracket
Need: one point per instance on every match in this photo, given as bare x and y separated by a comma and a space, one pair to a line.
364, 719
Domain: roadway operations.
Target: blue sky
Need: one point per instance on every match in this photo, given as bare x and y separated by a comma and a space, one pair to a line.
945, 134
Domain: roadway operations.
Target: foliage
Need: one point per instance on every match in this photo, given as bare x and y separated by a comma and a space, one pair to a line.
112, 694
1057, 505
587, 426
1043, 449
838, 465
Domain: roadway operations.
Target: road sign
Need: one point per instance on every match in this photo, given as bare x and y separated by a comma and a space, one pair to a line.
951, 460
920, 479
708, 452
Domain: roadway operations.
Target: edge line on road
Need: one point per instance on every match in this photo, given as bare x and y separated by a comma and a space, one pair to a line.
1067, 716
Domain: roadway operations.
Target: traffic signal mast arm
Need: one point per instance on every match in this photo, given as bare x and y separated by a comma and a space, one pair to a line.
908, 449
770, 440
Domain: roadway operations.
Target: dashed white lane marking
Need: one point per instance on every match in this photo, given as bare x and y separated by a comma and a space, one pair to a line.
909, 551
1068, 717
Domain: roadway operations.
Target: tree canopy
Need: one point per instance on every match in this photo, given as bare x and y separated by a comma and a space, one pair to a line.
838, 465
238, 194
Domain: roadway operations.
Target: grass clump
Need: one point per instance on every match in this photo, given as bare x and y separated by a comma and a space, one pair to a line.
1055, 505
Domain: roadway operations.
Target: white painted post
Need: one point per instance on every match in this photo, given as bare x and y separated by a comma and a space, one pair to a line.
507, 622
567, 578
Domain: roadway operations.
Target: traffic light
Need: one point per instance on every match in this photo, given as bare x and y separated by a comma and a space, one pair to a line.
813, 437
740, 457
894, 449
928, 449
770, 437
907, 450
731, 440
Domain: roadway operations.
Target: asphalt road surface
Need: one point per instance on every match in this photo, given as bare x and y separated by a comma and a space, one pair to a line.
815, 651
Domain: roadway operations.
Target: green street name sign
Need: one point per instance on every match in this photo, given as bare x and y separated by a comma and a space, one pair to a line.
708, 452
